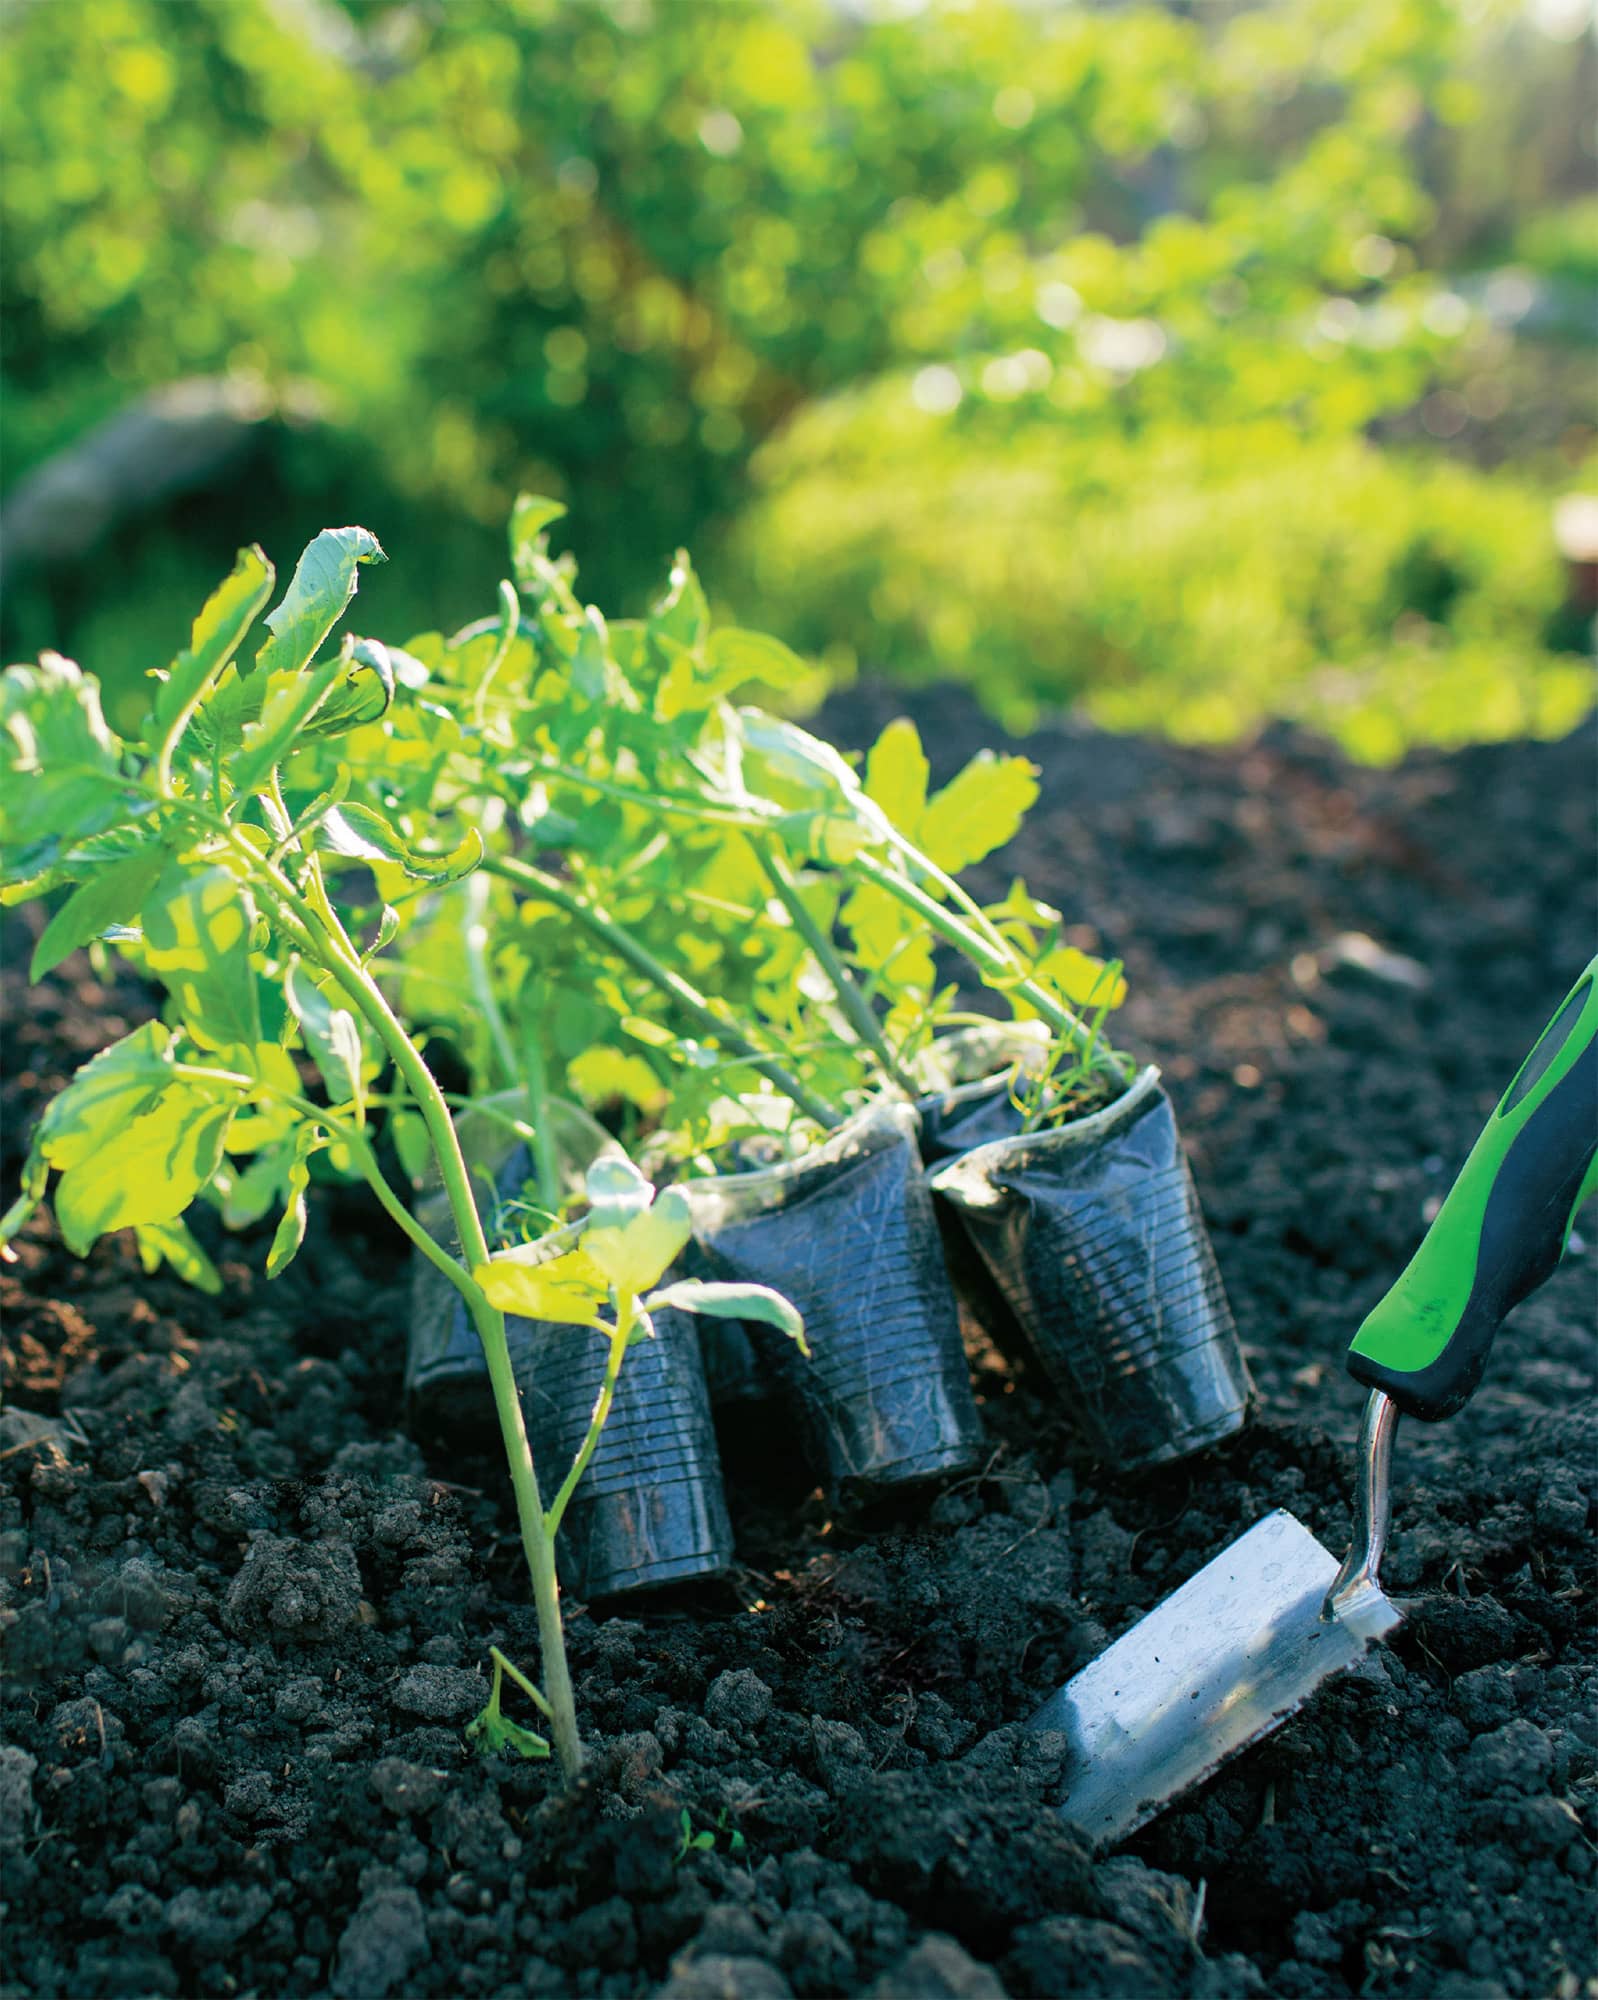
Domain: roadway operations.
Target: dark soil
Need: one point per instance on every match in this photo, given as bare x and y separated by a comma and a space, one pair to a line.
246, 1617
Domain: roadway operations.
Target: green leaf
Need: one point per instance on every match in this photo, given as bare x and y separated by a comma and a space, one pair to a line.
197, 941
408, 1130
757, 1302
217, 633
682, 613
289, 701
568, 1290
736, 657
363, 692
60, 766
331, 1036
896, 774
157, 1166
494, 1734
114, 896
1081, 980
323, 583
616, 1190
633, 1255
530, 516
358, 833
978, 810
174, 1243
290, 1232
789, 766
105, 1097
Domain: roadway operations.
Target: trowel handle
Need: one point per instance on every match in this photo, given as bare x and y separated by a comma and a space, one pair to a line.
1503, 1227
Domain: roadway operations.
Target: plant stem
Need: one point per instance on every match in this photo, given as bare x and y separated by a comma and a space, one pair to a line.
997, 964
538, 1540
854, 1003
332, 950
474, 938
536, 1074
690, 1003
596, 1423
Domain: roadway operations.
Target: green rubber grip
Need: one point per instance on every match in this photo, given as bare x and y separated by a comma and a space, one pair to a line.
1502, 1229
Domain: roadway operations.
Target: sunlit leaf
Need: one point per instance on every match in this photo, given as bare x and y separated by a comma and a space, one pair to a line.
616, 1190
174, 1243
358, 833
197, 941
216, 636
290, 1231
157, 1166
978, 810
113, 896
568, 1290
742, 1302
1082, 981
323, 583
105, 1097
60, 771
331, 1036
633, 1255
896, 774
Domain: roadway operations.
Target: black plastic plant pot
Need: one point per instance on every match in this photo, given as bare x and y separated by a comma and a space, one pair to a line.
649, 1509
447, 1396
1092, 1234
848, 1234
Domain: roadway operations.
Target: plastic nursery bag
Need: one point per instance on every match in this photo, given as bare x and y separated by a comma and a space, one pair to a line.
1093, 1235
848, 1234
649, 1509
446, 1378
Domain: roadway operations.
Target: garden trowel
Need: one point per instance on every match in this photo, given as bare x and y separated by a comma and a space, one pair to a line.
1244, 1643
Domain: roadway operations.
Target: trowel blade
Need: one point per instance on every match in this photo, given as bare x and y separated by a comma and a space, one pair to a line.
1236, 1650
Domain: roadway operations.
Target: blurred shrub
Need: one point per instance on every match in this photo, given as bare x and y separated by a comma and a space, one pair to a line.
609, 248
1192, 584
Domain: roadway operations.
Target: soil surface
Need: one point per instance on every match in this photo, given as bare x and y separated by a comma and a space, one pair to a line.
246, 1617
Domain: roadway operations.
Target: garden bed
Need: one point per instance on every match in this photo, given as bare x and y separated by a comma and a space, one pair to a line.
248, 1618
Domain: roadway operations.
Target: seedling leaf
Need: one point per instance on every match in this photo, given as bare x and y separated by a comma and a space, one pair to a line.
217, 633
290, 1232
331, 1036
361, 834
174, 1243
634, 1254
105, 1097
323, 583
568, 1290
616, 1190
111, 897
155, 1169
197, 942
60, 779
758, 1302
896, 774
978, 810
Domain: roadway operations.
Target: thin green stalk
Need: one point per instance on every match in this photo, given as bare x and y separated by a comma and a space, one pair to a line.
618, 1336
690, 1003
474, 939
509, 620
338, 957
998, 965
535, 1071
538, 1542
854, 1003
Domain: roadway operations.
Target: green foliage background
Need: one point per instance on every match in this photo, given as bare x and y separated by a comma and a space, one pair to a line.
1144, 355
